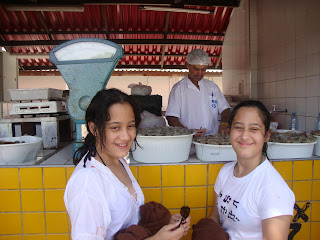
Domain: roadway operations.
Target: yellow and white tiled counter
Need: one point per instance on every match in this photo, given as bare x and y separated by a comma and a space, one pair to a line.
32, 208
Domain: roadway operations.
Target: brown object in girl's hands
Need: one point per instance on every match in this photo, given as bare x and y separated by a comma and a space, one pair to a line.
184, 212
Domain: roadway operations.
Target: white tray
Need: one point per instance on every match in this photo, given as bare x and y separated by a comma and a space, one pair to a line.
35, 94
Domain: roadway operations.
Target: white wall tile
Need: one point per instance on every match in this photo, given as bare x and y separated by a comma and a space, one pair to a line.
281, 71
301, 67
266, 74
300, 87
301, 47
260, 87
290, 33
290, 69
313, 86
281, 119
312, 107
300, 23
290, 105
273, 73
302, 123
310, 123
291, 51
313, 66
273, 90
287, 122
290, 87
266, 90
300, 106
312, 43
281, 89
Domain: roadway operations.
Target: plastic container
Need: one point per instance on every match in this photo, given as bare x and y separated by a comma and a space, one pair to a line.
215, 153
35, 94
317, 146
294, 121
289, 150
318, 122
162, 149
17, 153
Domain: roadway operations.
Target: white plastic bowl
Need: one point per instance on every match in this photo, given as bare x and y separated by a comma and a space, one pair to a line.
162, 149
317, 146
17, 153
213, 153
289, 150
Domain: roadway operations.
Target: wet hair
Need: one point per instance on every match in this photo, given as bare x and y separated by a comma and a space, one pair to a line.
262, 111
98, 113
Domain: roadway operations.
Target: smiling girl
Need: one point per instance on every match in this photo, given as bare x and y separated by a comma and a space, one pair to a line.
252, 201
102, 196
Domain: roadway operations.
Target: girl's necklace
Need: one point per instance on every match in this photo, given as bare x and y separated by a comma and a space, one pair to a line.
101, 159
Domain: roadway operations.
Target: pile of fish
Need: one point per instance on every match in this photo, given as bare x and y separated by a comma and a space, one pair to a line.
292, 137
217, 139
316, 133
165, 131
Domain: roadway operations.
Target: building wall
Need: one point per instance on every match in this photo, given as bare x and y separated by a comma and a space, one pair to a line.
161, 85
236, 53
289, 59
8, 75
279, 56
32, 207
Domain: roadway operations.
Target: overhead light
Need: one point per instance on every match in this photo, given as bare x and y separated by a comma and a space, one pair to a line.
45, 8
173, 9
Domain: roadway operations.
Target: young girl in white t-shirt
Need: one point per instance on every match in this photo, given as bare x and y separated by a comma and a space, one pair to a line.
252, 201
102, 196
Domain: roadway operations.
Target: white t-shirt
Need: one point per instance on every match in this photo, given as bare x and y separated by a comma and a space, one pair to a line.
244, 202
98, 204
197, 108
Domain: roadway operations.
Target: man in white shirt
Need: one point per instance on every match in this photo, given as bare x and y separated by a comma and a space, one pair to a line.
196, 102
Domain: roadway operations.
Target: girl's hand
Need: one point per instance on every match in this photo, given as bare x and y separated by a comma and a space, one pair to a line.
177, 218
172, 231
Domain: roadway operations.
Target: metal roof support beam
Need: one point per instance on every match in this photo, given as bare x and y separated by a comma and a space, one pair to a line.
40, 68
105, 21
111, 32
72, 3
165, 37
44, 7
46, 55
44, 24
118, 41
218, 60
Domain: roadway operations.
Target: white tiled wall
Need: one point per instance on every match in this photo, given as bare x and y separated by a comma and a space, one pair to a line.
236, 54
287, 56
290, 43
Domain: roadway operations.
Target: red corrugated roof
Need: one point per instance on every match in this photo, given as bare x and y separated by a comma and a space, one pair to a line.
121, 22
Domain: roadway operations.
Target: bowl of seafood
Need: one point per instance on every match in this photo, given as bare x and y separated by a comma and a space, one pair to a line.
16, 150
162, 145
214, 148
290, 144
316, 134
